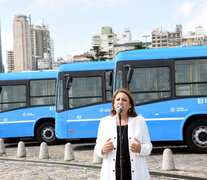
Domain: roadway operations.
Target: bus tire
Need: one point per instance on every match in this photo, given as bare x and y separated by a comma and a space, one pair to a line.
46, 133
196, 136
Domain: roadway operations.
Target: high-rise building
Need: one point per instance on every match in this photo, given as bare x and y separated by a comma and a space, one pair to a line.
1, 60
52, 49
10, 60
41, 43
22, 44
105, 41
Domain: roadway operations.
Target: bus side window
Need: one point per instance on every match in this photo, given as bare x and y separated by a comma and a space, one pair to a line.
191, 77
119, 80
150, 84
85, 91
42, 92
12, 97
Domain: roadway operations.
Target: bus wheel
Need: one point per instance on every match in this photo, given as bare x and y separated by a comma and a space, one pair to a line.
46, 133
196, 136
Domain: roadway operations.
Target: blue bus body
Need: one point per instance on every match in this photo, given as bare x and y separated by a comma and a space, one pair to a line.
166, 53
170, 90
27, 75
86, 66
81, 123
166, 119
86, 101
26, 104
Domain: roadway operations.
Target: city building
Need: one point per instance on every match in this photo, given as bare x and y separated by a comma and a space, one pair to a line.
197, 38
193, 40
124, 41
22, 44
124, 37
125, 46
42, 45
60, 61
82, 57
164, 39
112, 43
159, 38
105, 41
10, 60
43, 62
199, 30
175, 38
52, 49
1, 59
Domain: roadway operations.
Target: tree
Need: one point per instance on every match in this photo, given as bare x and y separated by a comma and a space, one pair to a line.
140, 46
98, 54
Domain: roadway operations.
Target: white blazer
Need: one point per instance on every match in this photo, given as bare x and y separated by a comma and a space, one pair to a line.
137, 128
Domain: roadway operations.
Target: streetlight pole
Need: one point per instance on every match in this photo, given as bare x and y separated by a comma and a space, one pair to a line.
146, 36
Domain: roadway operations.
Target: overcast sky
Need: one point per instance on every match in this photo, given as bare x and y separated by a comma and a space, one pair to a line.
72, 23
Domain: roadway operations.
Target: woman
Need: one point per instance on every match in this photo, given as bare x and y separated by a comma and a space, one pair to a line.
135, 141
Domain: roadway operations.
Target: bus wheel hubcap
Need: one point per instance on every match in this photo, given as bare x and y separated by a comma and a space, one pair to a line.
200, 136
48, 133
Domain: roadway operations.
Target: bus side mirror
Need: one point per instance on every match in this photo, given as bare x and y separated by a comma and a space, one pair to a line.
0, 89
129, 73
68, 81
111, 80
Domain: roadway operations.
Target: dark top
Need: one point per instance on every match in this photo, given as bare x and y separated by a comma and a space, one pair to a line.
126, 156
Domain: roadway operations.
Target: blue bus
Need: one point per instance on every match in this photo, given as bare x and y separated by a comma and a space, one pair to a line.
84, 94
170, 91
27, 105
